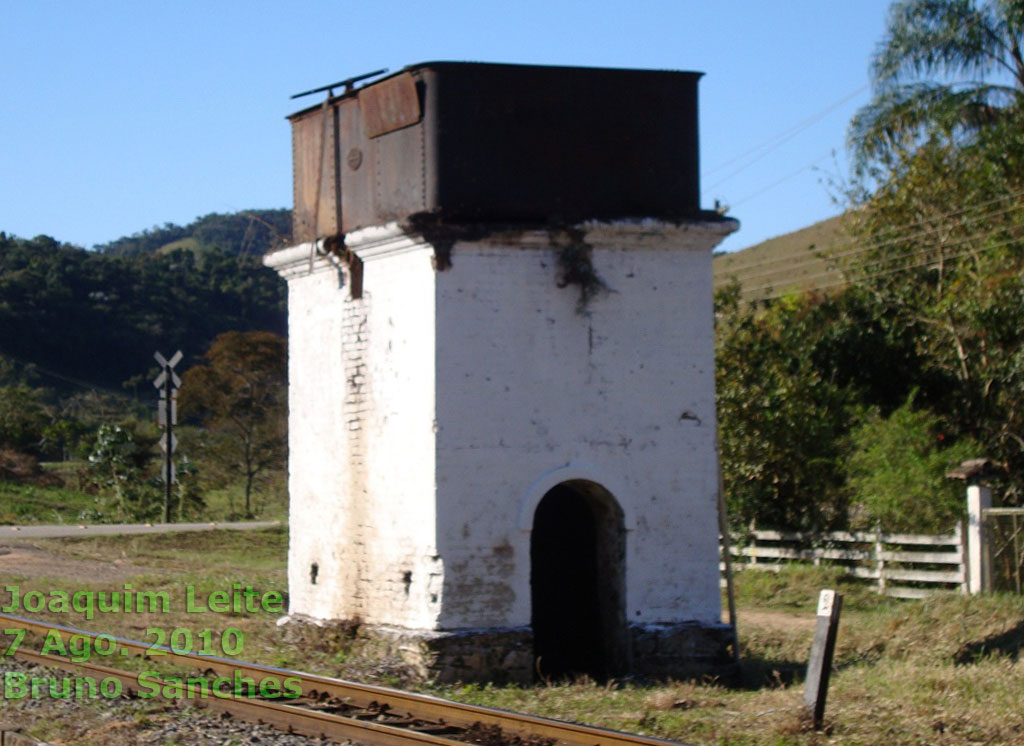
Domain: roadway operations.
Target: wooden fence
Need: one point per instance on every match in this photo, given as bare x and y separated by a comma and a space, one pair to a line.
1003, 534
901, 565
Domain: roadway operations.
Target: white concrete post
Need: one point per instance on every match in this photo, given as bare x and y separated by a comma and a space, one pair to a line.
979, 497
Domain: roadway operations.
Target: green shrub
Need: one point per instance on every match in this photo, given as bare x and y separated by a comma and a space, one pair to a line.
897, 467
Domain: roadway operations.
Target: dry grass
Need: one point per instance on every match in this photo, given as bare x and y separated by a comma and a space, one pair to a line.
787, 263
944, 671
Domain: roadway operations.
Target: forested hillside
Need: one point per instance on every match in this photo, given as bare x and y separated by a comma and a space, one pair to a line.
251, 232
97, 316
78, 330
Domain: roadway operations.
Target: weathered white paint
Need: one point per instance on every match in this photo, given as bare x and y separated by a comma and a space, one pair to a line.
429, 418
530, 499
361, 465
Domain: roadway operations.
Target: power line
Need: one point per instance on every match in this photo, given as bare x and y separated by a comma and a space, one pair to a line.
774, 184
900, 237
891, 260
855, 248
61, 377
896, 270
776, 141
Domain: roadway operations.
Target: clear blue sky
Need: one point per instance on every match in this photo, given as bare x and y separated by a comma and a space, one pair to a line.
120, 115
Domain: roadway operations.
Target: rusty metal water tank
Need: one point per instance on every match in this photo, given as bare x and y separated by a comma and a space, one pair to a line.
492, 143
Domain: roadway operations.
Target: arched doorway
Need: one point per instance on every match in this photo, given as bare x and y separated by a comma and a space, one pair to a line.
577, 583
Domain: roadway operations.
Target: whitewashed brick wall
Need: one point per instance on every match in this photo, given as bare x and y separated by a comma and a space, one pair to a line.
429, 418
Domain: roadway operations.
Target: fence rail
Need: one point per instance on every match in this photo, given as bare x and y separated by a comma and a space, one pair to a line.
1003, 532
901, 565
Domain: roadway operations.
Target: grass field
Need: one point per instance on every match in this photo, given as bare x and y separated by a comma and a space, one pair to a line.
23, 504
793, 262
943, 671
30, 503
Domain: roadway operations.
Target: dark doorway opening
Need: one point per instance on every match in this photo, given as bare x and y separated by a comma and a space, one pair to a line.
577, 583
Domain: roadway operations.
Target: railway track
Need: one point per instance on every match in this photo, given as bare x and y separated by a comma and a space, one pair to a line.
334, 708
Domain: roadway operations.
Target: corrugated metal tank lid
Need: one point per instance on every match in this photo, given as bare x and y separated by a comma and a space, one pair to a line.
494, 142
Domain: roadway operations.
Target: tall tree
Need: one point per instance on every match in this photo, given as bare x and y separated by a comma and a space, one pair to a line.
941, 250
240, 394
782, 417
23, 415
943, 69
794, 377
938, 223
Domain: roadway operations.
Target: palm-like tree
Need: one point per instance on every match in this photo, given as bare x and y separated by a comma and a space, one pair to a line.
944, 68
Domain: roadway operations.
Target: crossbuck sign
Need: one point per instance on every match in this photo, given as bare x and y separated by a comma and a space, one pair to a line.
168, 384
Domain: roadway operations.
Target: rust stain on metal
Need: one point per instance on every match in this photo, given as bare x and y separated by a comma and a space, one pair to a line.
469, 143
357, 181
315, 172
390, 105
306, 148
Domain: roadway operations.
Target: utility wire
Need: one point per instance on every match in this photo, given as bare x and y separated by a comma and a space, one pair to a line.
898, 269
34, 367
900, 237
805, 261
855, 248
909, 234
881, 261
894, 270
774, 184
894, 259
776, 141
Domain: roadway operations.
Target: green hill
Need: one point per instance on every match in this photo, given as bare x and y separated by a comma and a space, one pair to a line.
791, 262
94, 318
250, 232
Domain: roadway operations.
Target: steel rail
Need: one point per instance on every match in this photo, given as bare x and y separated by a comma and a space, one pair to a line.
358, 696
290, 718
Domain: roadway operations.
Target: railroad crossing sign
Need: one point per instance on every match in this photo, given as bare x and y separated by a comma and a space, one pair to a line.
161, 379
162, 407
167, 417
163, 442
165, 363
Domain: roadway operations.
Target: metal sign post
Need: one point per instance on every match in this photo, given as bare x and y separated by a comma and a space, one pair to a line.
168, 384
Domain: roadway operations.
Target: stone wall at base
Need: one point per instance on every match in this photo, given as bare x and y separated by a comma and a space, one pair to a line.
504, 655
681, 650
500, 655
